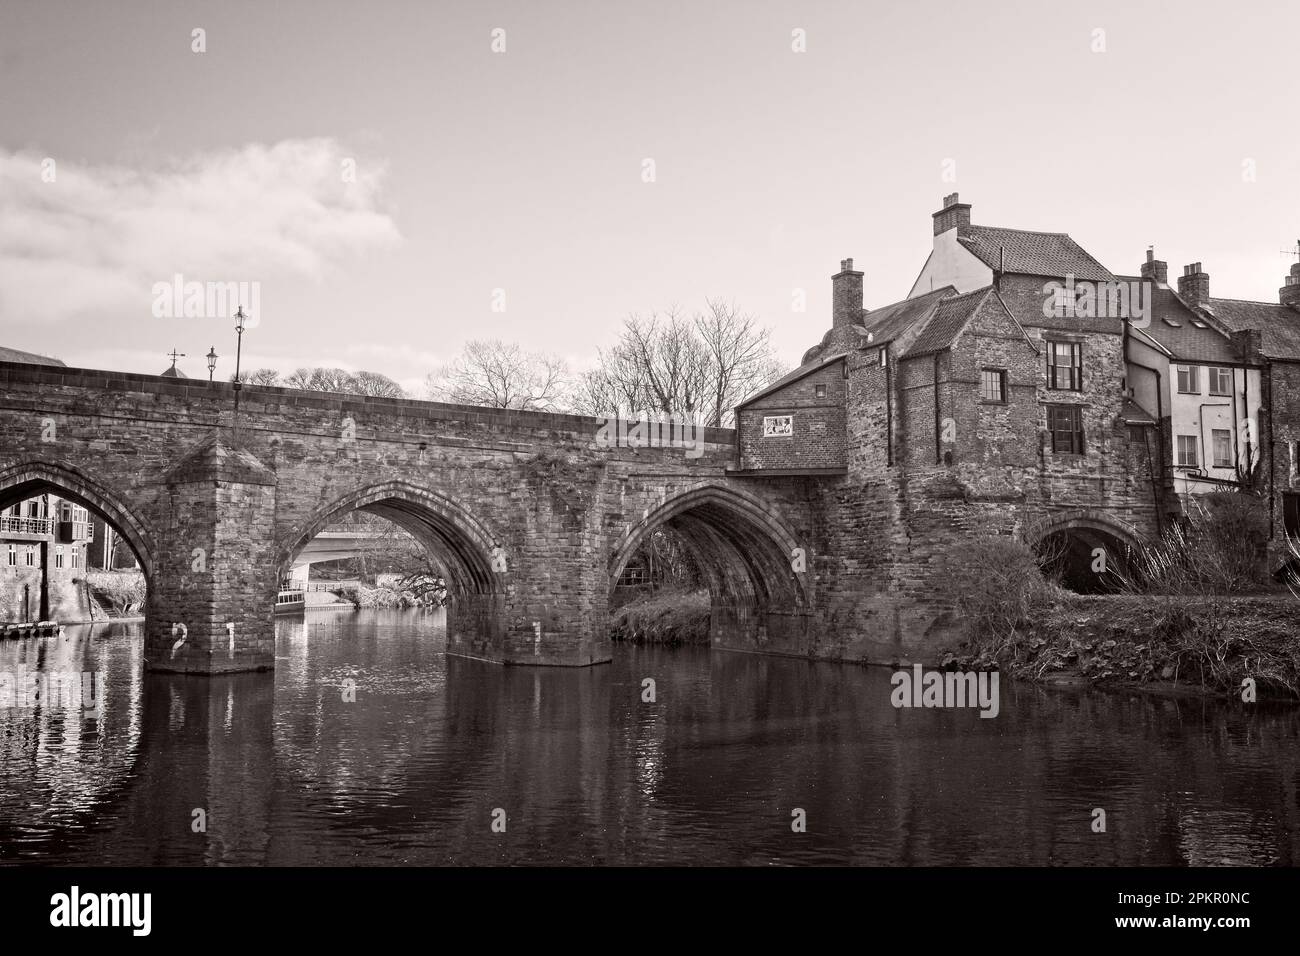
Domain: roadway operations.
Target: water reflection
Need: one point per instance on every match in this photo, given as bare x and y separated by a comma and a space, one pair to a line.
369, 745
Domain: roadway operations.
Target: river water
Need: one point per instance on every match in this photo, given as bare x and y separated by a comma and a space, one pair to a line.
282, 769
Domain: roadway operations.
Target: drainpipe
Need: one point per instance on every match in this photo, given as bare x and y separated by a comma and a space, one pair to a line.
938, 427
1245, 400
1272, 443
889, 405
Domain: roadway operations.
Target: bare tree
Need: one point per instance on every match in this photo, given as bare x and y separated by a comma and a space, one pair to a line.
322, 379
373, 383
666, 363
502, 375
260, 376
740, 358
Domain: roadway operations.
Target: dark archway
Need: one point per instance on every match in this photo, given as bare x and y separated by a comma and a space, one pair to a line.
1086, 553
751, 561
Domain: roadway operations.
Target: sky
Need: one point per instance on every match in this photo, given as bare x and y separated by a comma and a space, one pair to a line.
401, 177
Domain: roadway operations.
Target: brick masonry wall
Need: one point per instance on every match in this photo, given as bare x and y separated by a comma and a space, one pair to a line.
1282, 389
562, 511
818, 423
536, 489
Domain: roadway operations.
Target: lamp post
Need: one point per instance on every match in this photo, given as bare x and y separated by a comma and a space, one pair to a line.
212, 362
239, 344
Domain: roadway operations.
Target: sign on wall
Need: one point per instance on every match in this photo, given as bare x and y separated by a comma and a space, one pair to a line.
778, 426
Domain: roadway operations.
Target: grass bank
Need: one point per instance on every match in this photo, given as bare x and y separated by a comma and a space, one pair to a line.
665, 617
1206, 645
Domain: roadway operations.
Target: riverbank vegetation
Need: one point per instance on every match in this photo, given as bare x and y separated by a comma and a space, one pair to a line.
1194, 609
669, 616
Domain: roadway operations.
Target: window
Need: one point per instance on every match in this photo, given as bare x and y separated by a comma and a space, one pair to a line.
31, 557
1065, 365
1222, 441
13, 556
76, 557
821, 391
1065, 422
1187, 451
58, 556
1220, 381
1189, 379
993, 385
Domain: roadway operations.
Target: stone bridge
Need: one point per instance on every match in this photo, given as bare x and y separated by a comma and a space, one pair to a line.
527, 515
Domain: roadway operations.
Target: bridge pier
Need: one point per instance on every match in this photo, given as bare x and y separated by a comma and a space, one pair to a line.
214, 586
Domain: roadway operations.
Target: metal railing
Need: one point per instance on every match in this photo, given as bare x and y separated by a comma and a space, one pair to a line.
26, 525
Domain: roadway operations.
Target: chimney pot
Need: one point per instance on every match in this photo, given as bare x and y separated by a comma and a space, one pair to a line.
1154, 269
954, 214
846, 294
1289, 294
1194, 283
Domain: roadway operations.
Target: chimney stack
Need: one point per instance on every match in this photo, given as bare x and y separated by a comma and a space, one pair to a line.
1193, 284
846, 288
1154, 269
1289, 294
953, 215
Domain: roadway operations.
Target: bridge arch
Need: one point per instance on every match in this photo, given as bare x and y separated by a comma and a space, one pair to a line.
746, 554
456, 540
24, 480
1069, 540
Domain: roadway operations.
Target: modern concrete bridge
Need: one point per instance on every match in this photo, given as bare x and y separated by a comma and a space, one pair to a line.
332, 545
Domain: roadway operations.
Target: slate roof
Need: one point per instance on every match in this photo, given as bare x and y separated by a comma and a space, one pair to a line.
890, 321
885, 324
1279, 324
1186, 340
949, 318
1052, 254
1135, 414
27, 358
806, 369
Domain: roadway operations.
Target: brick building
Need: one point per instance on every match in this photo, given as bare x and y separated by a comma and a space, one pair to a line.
1023, 388
1272, 333
43, 545
970, 407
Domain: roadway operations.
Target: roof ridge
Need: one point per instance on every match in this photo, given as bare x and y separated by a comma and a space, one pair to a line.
1032, 232
1224, 298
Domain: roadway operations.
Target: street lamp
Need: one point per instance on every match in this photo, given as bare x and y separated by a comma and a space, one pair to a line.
239, 344
212, 361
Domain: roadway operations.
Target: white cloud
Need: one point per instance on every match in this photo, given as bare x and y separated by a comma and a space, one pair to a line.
96, 239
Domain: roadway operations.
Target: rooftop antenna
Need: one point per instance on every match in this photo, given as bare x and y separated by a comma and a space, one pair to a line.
1293, 252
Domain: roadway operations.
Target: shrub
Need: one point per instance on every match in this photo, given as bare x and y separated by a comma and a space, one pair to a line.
996, 584
1219, 548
